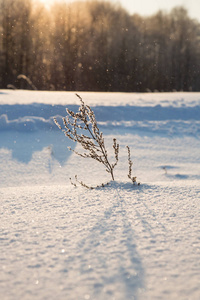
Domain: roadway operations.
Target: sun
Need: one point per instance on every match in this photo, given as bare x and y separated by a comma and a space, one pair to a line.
48, 3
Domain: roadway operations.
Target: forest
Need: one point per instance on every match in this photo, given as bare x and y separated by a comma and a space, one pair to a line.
97, 46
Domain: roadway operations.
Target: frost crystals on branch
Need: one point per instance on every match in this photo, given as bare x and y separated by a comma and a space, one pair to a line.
92, 141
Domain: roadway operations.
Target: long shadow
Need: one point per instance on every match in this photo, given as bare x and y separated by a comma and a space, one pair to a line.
116, 257
25, 129
151, 213
23, 145
37, 120
36, 117
105, 113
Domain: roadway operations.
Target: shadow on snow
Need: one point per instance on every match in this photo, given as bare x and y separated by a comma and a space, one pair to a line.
23, 145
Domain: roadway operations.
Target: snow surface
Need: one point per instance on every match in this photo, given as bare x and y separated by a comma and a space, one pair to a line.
119, 242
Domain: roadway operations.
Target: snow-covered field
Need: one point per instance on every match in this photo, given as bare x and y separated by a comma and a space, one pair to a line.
118, 242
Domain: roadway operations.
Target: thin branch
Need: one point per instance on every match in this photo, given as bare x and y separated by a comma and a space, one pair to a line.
87, 186
93, 142
130, 164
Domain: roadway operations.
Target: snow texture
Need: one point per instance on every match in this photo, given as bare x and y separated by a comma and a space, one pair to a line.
118, 242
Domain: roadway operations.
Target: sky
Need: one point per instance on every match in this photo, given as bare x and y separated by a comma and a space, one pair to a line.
149, 7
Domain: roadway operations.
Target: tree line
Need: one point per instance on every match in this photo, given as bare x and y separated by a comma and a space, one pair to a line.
97, 46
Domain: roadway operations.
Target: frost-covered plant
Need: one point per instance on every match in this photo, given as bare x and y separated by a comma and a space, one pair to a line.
81, 127
130, 164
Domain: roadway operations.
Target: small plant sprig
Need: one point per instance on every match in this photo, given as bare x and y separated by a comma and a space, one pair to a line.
130, 164
87, 186
92, 142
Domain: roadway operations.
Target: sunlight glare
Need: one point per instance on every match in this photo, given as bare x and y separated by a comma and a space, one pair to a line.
48, 3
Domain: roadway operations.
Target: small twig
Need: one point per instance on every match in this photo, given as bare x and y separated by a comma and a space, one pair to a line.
87, 186
130, 164
74, 184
